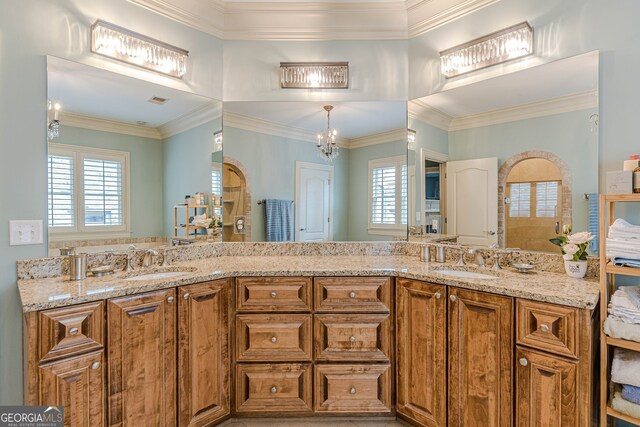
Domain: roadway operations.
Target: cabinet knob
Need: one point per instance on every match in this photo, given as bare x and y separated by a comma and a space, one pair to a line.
352, 339
73, 331
453, 298
523, 361
544, 327
274, 339
353, 390
186, 296
95, 365
170, 299
274, 294
438, 295
352, 294
274, 389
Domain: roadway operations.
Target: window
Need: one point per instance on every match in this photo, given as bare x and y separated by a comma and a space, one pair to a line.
520, 206
533, 199
546, 199
388, 195
88, 190
216, 185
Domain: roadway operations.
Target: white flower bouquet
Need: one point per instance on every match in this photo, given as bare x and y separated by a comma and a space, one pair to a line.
573, 246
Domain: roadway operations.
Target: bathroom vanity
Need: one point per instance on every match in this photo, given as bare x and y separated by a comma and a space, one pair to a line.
322, 335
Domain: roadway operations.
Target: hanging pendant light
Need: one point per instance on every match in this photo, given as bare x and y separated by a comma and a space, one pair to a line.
327, 141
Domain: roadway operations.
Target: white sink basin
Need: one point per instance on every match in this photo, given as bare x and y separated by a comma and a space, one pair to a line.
464, 274
162, 275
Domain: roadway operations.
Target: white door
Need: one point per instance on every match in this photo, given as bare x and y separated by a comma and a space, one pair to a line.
472, 201
313, 202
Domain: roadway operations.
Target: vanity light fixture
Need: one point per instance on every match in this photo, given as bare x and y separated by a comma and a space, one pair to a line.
502, 46
411, 139
217, 141
127, 46
53, 128
314, 75
327, 140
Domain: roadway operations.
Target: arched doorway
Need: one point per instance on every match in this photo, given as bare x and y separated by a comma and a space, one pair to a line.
236, 198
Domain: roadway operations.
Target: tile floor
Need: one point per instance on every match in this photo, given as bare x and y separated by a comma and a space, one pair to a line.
312, 422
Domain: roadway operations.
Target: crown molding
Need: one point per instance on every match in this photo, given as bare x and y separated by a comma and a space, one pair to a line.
197, 117
394, 135
435, 156
564, 104
104, 125
425, 15
418, 110
206, 16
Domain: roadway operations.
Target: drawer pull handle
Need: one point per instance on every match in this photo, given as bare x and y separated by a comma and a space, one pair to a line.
274, 389
73, 331
274, 339
544, 328
352, 294
95, 365
453, 298
353, 390
438, 295
524, 361
274, 294
170, 299
186, 296
352, 339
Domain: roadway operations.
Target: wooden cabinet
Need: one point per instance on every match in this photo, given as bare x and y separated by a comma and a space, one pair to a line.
421, 352
364, 337
352, 294
141, 334
548, 327
546, 391
203, 353
273, 337
77, 383
273, 294
481, 346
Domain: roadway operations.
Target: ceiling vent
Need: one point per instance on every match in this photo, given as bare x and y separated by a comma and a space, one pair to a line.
158, 100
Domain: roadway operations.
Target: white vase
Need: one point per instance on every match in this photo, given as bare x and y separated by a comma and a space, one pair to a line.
576, 269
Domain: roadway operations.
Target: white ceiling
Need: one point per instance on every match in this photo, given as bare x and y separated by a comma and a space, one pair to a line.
93, 92
350, 119
574, 75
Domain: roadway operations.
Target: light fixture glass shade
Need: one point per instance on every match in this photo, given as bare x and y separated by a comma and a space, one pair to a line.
504, 45
314, 75
127, 46
217, 141
328, 140
411, 139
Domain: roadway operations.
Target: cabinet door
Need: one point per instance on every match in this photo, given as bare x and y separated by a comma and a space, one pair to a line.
203, 353
481, 346
421, 349
77, 383
141, 334
547, 390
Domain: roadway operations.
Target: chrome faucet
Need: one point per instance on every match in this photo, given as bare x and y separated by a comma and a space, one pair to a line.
148, 258
479, 260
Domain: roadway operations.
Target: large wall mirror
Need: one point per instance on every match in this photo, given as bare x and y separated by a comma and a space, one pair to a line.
126, 154
277, 186
506, 162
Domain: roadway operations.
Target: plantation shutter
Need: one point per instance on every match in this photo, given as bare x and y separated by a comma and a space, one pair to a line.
404, 194
383, 206
60, 191
520, 205
102, 192
547, 199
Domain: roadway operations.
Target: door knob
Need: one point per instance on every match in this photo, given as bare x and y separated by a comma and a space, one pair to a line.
438, 295
453, 298
523, 361
302, 229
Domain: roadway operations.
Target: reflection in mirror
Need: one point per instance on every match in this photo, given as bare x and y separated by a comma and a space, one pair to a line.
509, 160
281, 189
127, 154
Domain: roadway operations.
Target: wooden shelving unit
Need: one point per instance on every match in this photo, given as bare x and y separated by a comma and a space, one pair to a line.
608, 273
188, 227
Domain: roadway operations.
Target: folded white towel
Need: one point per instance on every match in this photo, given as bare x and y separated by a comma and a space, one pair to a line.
621, 224
633, 295
624, 406
623, 235
623, 248
621, 299
616, 328
625, 367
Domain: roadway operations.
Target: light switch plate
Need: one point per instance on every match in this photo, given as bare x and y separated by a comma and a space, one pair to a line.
25, 232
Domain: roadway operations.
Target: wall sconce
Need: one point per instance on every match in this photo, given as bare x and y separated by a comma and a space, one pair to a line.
411, 139
314, 75
504, 45
53, 127
217, 141
127, 46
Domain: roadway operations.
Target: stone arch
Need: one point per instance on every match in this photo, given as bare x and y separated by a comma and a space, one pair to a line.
247, 194
503, 173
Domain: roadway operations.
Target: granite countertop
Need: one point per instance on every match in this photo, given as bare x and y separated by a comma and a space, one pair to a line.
39, 294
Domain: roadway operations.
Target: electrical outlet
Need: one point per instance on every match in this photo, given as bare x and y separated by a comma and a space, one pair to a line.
25, 232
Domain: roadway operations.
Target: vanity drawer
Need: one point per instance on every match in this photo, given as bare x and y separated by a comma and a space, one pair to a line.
352, 337
273, 294
267, 337
352, 294
352, 388
547, 327
273, 388
71, 330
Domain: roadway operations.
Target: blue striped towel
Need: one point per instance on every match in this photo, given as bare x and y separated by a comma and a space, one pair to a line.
631, 393
278, 217
593, 220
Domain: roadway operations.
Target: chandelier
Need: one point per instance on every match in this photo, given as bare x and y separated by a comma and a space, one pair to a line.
53, 128
327, 141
